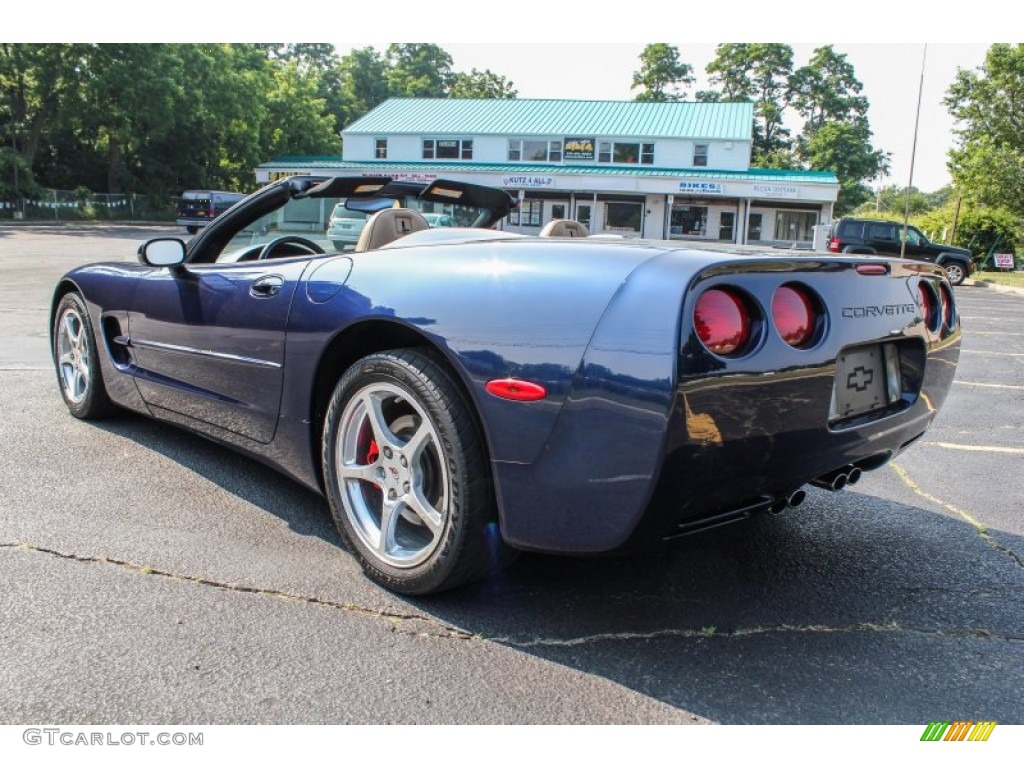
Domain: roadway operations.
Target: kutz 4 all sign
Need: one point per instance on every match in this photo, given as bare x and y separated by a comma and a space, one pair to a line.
960, 730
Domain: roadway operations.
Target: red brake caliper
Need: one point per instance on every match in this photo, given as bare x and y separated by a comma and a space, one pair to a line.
373, 453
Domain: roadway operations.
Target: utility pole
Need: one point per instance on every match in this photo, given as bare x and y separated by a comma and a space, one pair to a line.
14, 162
913, 156
956, 218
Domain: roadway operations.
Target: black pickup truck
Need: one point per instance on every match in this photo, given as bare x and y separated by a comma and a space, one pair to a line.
886, 237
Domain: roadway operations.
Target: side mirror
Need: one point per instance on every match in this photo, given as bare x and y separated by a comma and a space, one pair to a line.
162, 252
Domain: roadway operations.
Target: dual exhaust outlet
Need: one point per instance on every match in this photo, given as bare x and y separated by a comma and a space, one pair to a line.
838, 479
832, 481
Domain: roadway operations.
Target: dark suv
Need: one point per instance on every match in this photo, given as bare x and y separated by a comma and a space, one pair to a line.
886, 237
198, 207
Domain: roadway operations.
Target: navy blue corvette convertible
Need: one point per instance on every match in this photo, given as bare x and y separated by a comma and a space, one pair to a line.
459, 393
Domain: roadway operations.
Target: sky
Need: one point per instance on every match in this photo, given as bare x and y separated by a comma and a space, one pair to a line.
590, 50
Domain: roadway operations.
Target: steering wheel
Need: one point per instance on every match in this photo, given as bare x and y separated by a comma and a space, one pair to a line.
266, 252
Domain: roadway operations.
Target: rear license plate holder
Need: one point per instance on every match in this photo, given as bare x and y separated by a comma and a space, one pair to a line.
860, 385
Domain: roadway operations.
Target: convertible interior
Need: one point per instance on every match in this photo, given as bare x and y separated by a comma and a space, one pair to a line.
289, 219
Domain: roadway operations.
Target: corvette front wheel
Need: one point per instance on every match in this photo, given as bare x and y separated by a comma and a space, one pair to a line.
77, 361
406, 475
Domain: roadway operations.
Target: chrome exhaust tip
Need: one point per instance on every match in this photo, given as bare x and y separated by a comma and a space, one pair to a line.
833, 481
794, 499
853, 476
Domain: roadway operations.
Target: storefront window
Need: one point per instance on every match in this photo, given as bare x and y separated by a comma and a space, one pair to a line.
530, 213
754, 230
623, 217
726, 223
795, 225
689, 220
558, 210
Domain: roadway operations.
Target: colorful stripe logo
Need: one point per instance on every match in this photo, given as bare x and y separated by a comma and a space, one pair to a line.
960, 730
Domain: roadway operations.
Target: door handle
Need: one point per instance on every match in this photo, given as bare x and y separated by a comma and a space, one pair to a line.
266, 286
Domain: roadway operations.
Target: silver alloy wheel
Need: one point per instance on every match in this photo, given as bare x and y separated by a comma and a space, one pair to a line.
955, 273
393, 473
73, 361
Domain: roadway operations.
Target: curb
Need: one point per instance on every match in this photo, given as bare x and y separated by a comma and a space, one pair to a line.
84, 223
994, 287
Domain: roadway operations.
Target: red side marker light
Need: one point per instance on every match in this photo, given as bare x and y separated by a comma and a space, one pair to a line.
516, 389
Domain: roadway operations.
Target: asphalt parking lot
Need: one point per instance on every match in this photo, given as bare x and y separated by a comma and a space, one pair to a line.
153, 577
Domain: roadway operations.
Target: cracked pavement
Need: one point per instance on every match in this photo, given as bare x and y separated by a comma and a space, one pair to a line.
153, 577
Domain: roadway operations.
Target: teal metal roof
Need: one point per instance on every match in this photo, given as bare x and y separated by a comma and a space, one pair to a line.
287, 163
726, 121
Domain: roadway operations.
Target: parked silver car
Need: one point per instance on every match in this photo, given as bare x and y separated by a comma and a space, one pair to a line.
344, 226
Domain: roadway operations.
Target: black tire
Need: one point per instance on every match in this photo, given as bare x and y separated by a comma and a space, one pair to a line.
402, 454
77, 361
956, 272
191, 229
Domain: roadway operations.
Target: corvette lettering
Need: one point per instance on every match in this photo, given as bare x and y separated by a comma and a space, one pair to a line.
882, 310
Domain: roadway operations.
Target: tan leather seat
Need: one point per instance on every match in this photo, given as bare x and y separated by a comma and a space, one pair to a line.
388, 225
564, 228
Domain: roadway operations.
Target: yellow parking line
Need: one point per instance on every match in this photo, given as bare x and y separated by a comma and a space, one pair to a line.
982, 352
994, 386
921, 492
982, 318
982, 448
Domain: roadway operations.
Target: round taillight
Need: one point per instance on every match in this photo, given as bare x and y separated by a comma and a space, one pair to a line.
793, 315
929, 308
722, 321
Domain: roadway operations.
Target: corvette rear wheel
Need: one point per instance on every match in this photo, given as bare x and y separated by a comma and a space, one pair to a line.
76, 360
406, 475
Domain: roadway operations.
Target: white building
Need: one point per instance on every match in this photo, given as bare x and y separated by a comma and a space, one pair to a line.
670, 170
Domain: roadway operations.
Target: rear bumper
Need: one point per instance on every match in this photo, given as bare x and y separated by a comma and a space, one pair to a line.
193, 222
745, 442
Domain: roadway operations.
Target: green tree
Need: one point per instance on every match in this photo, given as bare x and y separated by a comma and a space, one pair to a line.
481, 85
979, 228
892, 198
761, 73
836, 135
988, 107
418, 69
129, 102
35, 82
845, 149
363, 82
662, 75
827, 90
310, 57
296, 121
